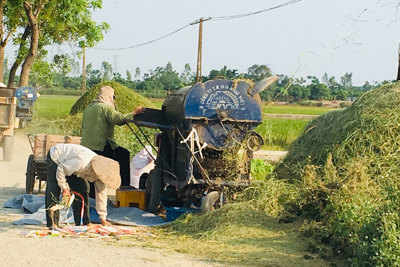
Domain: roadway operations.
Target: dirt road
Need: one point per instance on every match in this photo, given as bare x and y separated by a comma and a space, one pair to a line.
17, 250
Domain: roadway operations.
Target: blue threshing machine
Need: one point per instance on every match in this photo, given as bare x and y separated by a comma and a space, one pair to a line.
206, 142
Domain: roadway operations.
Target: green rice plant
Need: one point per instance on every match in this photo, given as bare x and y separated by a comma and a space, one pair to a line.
53, 107
295, 109
47, 112
280, 132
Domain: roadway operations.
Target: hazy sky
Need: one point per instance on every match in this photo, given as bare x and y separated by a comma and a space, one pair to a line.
307, 38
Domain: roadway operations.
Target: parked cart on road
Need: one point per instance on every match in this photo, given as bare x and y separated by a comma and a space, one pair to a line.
8, 121
36, 170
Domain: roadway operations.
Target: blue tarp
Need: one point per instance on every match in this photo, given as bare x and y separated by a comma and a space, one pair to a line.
124, 216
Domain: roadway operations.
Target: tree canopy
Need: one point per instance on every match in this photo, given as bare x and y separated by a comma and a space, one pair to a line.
41, 23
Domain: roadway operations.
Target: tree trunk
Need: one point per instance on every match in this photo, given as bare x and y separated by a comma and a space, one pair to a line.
1, 63
18, 60
30, 58
83, 69
2, 45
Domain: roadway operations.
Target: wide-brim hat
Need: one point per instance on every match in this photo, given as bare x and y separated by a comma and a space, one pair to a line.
107, 171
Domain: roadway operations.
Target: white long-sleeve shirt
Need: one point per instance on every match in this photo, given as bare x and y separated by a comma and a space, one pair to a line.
76, 159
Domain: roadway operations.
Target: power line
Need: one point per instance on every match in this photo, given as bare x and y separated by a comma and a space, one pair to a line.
219, 18
256, 12
145, 43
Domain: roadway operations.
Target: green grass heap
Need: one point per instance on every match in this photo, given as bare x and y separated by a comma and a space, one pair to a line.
347, 167
126, 101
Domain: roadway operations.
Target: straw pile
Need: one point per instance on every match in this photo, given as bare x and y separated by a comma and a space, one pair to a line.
126, 101
347, 167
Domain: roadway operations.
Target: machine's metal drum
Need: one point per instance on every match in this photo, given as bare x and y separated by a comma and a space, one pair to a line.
213, 98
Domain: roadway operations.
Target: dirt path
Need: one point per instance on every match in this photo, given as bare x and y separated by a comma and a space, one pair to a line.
17, 250
269, 155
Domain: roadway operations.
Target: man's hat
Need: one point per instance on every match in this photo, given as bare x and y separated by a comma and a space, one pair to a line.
107, 170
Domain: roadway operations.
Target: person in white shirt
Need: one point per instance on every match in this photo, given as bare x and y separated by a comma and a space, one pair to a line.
69, 168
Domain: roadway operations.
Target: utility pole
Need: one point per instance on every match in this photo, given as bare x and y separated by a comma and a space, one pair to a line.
200, 47
398, 68
83, 69
115, 63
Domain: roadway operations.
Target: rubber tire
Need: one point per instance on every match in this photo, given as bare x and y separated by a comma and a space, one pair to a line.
153, 190
8, 145
30, 176
209, 201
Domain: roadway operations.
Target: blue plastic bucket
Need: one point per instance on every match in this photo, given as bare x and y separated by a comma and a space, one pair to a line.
174, 212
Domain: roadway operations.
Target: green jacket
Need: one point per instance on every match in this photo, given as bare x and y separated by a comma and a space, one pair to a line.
98, 125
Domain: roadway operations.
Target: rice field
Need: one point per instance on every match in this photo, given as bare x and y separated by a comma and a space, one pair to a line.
296, 109
53, 107
278, 134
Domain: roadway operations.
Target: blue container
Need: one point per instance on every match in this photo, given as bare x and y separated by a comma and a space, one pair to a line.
174, 212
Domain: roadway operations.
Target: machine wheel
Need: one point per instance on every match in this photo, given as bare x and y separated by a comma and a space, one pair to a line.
153, 190
255, 142
209, 201
30, 176
8, 145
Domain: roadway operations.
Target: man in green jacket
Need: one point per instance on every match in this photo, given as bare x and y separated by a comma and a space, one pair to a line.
98, 122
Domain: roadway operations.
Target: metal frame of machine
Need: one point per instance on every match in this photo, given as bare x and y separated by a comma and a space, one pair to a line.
206, 142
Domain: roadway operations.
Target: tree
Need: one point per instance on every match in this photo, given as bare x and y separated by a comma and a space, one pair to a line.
128, 75
106, 69
137, 73
22, 52
93, 76
150, 85
168, 77
187, 76
258, 72
59, 21
32, 12
225, 73
346, 81
319, 91
42, 73
10, 19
